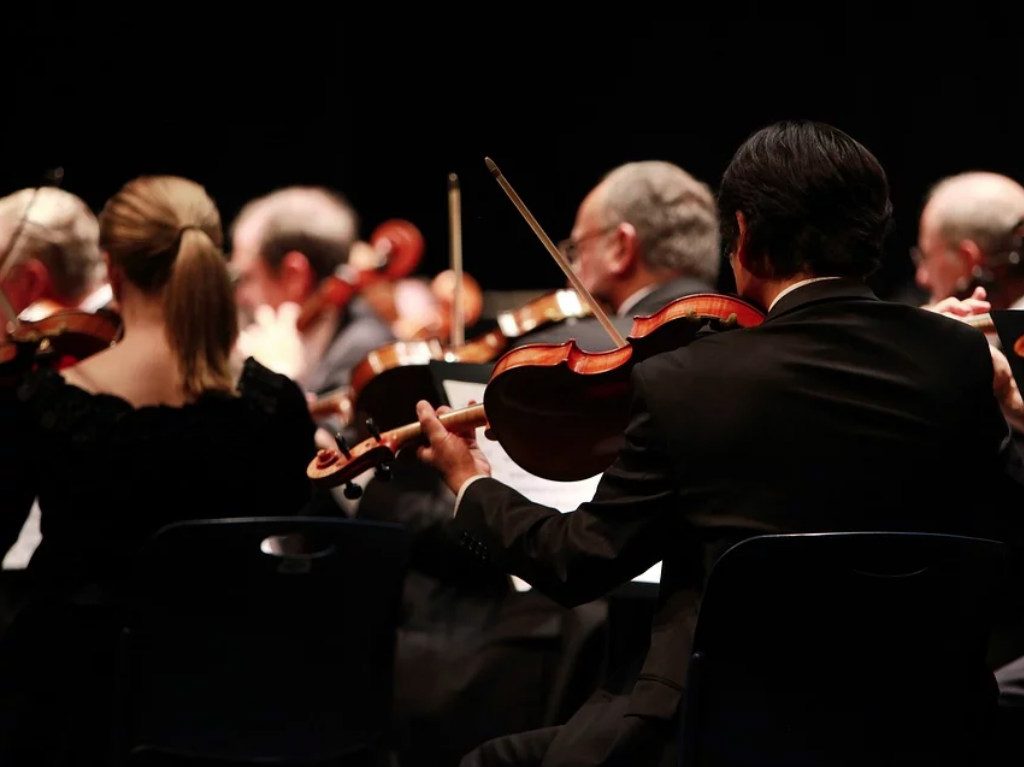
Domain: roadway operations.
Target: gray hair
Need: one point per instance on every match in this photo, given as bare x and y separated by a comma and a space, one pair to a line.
315, 221
674, 214
60, 231
978, 206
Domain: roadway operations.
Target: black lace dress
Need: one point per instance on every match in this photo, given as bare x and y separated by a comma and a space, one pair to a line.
108, 475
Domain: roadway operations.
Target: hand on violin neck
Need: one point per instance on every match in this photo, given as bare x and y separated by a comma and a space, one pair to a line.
976, 303
454, 454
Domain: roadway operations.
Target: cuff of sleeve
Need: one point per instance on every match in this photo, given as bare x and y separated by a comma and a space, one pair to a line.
462, 491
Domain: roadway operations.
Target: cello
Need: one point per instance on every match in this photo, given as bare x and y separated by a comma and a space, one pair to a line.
558, 411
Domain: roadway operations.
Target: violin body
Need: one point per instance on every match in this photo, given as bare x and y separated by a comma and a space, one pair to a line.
559, 412
581, 399
60, 340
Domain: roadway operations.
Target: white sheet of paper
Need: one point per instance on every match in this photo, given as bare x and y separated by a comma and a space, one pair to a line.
564, 496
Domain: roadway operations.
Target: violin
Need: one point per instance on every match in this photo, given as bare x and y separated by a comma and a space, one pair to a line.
429, 314
389, 379
60, 340
394, 251
559, 412
545, 402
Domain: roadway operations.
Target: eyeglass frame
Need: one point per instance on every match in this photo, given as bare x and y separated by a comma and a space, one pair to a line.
569, 247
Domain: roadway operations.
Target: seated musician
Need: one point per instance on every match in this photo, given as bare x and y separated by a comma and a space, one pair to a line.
646, 235
55, 263
283, 246
155, 429
804, 423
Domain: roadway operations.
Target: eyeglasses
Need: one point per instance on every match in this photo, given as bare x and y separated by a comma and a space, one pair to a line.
570, 246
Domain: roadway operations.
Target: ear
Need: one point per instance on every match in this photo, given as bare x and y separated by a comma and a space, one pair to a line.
35, 281
624, 258
970, 253
741, 249
296, 276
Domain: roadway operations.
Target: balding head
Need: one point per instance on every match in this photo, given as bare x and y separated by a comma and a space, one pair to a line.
674, 214
968, 222
60, 232
983, 207
285, 242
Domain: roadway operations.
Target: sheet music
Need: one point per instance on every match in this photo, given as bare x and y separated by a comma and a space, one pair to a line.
564, 496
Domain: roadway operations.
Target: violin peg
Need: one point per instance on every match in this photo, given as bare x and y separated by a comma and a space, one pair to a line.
383, 472
352, 491
343, 445
371, 427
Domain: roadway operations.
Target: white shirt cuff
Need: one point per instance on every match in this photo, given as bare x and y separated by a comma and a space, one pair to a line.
462, 491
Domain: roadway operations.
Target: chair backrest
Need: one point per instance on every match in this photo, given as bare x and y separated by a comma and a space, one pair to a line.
843, 648
268, 638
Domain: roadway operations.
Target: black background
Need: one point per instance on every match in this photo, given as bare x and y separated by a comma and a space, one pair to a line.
382, 103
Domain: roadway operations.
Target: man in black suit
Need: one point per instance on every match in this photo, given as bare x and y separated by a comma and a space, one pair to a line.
644, 236
809, 422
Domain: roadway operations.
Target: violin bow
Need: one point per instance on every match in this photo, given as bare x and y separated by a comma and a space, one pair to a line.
458, 334
556, 254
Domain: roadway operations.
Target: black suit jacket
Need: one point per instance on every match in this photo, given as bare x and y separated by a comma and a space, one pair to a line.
840, 412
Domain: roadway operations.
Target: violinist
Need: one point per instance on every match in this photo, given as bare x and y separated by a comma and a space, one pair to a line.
283, 246
156, 429
644, 236
51, 239
55, 262
804, 423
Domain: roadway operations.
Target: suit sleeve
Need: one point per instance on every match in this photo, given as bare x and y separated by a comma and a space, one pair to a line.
578, 556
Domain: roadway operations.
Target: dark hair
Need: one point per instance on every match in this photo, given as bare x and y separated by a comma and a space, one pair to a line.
814, 199
314, 221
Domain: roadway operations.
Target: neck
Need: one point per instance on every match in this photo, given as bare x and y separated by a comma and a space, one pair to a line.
142, 316
638, 281
765, 291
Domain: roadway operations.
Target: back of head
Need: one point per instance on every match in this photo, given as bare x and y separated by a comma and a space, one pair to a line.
164, 234
313, 221
60, 232
984, 207
673, 213
815, 201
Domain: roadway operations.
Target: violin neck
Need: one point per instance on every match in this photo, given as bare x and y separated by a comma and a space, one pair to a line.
982, 322
456, 420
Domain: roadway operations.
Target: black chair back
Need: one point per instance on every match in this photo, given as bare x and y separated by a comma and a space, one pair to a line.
263, 638
843, 648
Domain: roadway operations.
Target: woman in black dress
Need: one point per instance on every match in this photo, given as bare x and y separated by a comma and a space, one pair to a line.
156, 429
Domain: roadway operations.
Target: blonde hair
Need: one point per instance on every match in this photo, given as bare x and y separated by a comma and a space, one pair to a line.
164, 232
